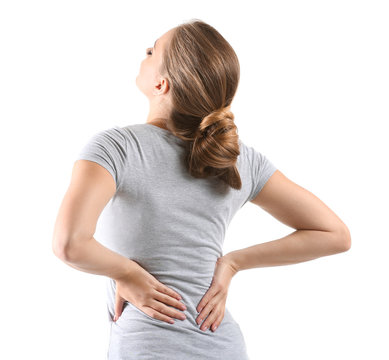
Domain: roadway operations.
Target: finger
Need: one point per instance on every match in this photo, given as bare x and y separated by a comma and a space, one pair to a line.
166, 310
164, 298
217, 322
204, 313
208, 296
210, 319
119, 301
157, 315
208, 307
166, 290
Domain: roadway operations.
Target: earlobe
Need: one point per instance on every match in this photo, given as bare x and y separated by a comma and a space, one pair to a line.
157, 89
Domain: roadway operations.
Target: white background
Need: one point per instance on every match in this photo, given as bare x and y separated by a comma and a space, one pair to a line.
313, 97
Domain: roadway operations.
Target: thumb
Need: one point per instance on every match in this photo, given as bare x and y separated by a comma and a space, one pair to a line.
119, 301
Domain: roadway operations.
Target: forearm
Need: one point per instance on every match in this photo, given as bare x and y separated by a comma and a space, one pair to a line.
92, 257
299, 246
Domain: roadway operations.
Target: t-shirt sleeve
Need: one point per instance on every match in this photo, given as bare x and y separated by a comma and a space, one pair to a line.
261, 169
107, 148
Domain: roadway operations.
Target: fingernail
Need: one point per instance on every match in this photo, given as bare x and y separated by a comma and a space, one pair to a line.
114, 318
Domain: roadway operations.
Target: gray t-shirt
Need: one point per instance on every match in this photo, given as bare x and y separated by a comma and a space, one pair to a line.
173, 225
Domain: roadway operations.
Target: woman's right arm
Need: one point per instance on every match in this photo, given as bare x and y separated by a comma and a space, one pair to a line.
90, 189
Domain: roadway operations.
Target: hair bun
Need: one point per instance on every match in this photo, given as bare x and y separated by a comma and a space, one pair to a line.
219, 120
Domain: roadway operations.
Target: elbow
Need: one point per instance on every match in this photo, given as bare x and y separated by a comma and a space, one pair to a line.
60, 248
343, 239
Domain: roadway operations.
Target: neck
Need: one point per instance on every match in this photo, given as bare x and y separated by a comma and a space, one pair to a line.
158, 114
157, 120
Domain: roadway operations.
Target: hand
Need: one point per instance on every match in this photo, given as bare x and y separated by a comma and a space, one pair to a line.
213, 302
148, 294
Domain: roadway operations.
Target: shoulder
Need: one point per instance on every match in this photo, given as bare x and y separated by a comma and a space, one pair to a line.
123, 131
251, 154
247, 153
121, 136
245, 148
134, 129
114, 134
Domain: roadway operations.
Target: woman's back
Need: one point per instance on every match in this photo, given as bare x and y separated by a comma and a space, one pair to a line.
173, 225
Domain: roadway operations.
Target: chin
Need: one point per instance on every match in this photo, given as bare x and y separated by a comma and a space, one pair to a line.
138, 83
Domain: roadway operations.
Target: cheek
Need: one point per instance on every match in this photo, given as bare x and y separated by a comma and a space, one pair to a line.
146, 76
141, 67
147, 69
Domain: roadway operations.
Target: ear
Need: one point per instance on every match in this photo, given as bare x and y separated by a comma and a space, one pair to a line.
162, 86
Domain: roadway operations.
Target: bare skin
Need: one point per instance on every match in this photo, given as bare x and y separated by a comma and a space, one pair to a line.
154, 85
319, 231
90, 189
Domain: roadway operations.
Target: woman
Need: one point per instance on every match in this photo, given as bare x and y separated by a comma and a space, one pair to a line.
169, 188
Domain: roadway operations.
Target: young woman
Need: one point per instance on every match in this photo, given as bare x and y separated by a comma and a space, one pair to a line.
169, 187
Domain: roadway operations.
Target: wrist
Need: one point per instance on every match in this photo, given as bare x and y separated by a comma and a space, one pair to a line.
127, 270
230, 260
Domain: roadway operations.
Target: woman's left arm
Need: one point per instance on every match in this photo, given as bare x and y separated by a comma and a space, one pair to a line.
319, 231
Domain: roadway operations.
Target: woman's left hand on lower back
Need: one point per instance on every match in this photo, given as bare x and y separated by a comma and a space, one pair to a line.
213, 303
